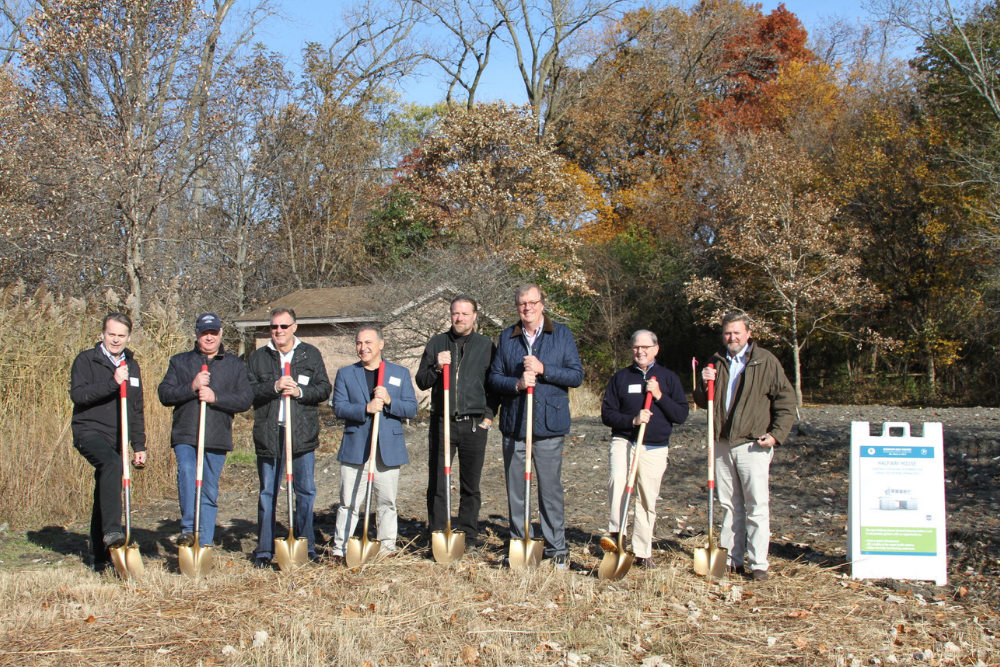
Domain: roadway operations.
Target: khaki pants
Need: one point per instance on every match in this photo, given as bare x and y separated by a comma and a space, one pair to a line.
741, 476
652, 465
353, 487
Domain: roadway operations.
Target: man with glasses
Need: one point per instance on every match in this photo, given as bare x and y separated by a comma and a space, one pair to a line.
307, 386
226, 391
536, 352
468, 355
622, 410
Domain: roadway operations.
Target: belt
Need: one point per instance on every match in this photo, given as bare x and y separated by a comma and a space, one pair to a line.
467, 418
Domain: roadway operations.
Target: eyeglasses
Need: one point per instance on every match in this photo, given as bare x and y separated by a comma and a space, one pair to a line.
528, 304
642, 348
281, 326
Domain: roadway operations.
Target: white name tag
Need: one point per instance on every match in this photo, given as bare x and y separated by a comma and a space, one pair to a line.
134, 382
395, 382
303, 379
635, 389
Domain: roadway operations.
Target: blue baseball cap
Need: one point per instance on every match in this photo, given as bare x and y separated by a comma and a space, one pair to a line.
208, 322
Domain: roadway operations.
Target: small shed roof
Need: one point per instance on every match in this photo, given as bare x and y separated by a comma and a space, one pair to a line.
322, 305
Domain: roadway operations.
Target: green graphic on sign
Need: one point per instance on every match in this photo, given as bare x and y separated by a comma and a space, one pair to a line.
899, 541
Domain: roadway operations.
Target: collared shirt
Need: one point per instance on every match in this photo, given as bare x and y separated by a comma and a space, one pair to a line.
283, 358
645, 373
115, 360
531, 338
736, 366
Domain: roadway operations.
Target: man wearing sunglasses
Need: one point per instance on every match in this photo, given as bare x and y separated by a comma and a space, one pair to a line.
307, 386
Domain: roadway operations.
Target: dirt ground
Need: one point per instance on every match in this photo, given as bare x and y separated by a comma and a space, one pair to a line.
809, 497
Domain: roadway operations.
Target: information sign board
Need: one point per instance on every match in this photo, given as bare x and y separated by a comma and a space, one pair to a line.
896, 511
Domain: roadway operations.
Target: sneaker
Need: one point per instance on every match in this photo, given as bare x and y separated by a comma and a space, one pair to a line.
262, 564
561, 561
645, 563
609, 542
759, 575
185, 539
114, 540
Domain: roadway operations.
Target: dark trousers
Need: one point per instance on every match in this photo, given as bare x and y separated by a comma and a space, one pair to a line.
469, 442
107, 514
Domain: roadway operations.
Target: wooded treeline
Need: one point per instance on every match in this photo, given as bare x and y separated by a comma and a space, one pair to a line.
672, 162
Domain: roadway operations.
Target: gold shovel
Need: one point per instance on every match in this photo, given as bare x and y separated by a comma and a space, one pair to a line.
527, 552
127, 559
617, 562
711, 560
446, 545
290, 552
360, 551
196, 560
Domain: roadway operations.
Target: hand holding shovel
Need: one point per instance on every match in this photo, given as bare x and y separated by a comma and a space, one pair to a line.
196, 560
127, 559
361, 551
446, 545
711, 560
616, 563
290, 552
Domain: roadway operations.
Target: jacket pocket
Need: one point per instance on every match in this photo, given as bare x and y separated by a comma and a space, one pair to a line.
557, 414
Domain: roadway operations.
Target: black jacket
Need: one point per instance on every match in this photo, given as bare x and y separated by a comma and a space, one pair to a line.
469, 393
626, 394
232, 395
95, 398
309, 371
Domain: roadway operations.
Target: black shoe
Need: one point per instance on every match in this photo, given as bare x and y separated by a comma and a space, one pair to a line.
315, 558
185, 540
114, 540
561, 561
645, 563
338, 560
759, 575
262, 563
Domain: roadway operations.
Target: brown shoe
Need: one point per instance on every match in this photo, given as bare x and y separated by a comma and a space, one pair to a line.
759, 575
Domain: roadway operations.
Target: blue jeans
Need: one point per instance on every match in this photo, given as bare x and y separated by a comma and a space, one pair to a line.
187, 458
271, 471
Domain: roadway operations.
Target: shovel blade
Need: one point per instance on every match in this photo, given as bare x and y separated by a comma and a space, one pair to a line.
360, 551
195, 561
710, 562
615, 565
447, 546
128, 561
291, 553
526, 552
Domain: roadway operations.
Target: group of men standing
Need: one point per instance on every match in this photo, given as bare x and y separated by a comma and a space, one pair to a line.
755, 412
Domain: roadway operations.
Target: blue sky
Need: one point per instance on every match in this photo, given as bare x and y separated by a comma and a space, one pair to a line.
317, 21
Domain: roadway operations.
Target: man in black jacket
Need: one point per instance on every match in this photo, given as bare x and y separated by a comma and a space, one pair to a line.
307, 386
224, 387
623, 411
471, 409
95, 383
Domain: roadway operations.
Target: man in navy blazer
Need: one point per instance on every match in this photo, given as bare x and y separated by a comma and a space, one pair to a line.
356, 400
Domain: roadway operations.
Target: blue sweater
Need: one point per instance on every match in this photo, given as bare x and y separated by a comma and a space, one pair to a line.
624, 398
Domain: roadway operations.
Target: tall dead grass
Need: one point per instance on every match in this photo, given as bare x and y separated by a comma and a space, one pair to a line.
45, 480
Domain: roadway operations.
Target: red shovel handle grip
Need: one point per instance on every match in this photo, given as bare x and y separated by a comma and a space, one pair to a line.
381, 373
446, 370
288, 368
649, 401
531, 390
711, 385
204, 367
122, 388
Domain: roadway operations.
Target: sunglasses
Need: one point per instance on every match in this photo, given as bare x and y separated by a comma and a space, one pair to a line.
281, 326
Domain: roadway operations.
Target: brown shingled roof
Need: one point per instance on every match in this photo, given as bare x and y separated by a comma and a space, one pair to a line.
347, 303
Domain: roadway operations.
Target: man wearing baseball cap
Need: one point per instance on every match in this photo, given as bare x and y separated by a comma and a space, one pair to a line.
225, 389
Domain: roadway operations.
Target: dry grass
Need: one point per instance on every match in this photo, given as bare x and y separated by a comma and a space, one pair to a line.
40, 336
411, 611
584, 403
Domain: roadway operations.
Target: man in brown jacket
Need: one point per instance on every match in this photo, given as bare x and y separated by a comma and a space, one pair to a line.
754, 411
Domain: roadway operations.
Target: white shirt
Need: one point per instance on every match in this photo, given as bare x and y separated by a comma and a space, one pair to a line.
115, 360
736, 366
283, 358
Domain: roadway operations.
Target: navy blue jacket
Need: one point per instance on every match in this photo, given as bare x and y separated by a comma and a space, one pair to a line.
350, 399
625, 396
556, 349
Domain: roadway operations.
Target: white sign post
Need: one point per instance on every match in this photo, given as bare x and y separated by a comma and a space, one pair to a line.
896, 511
